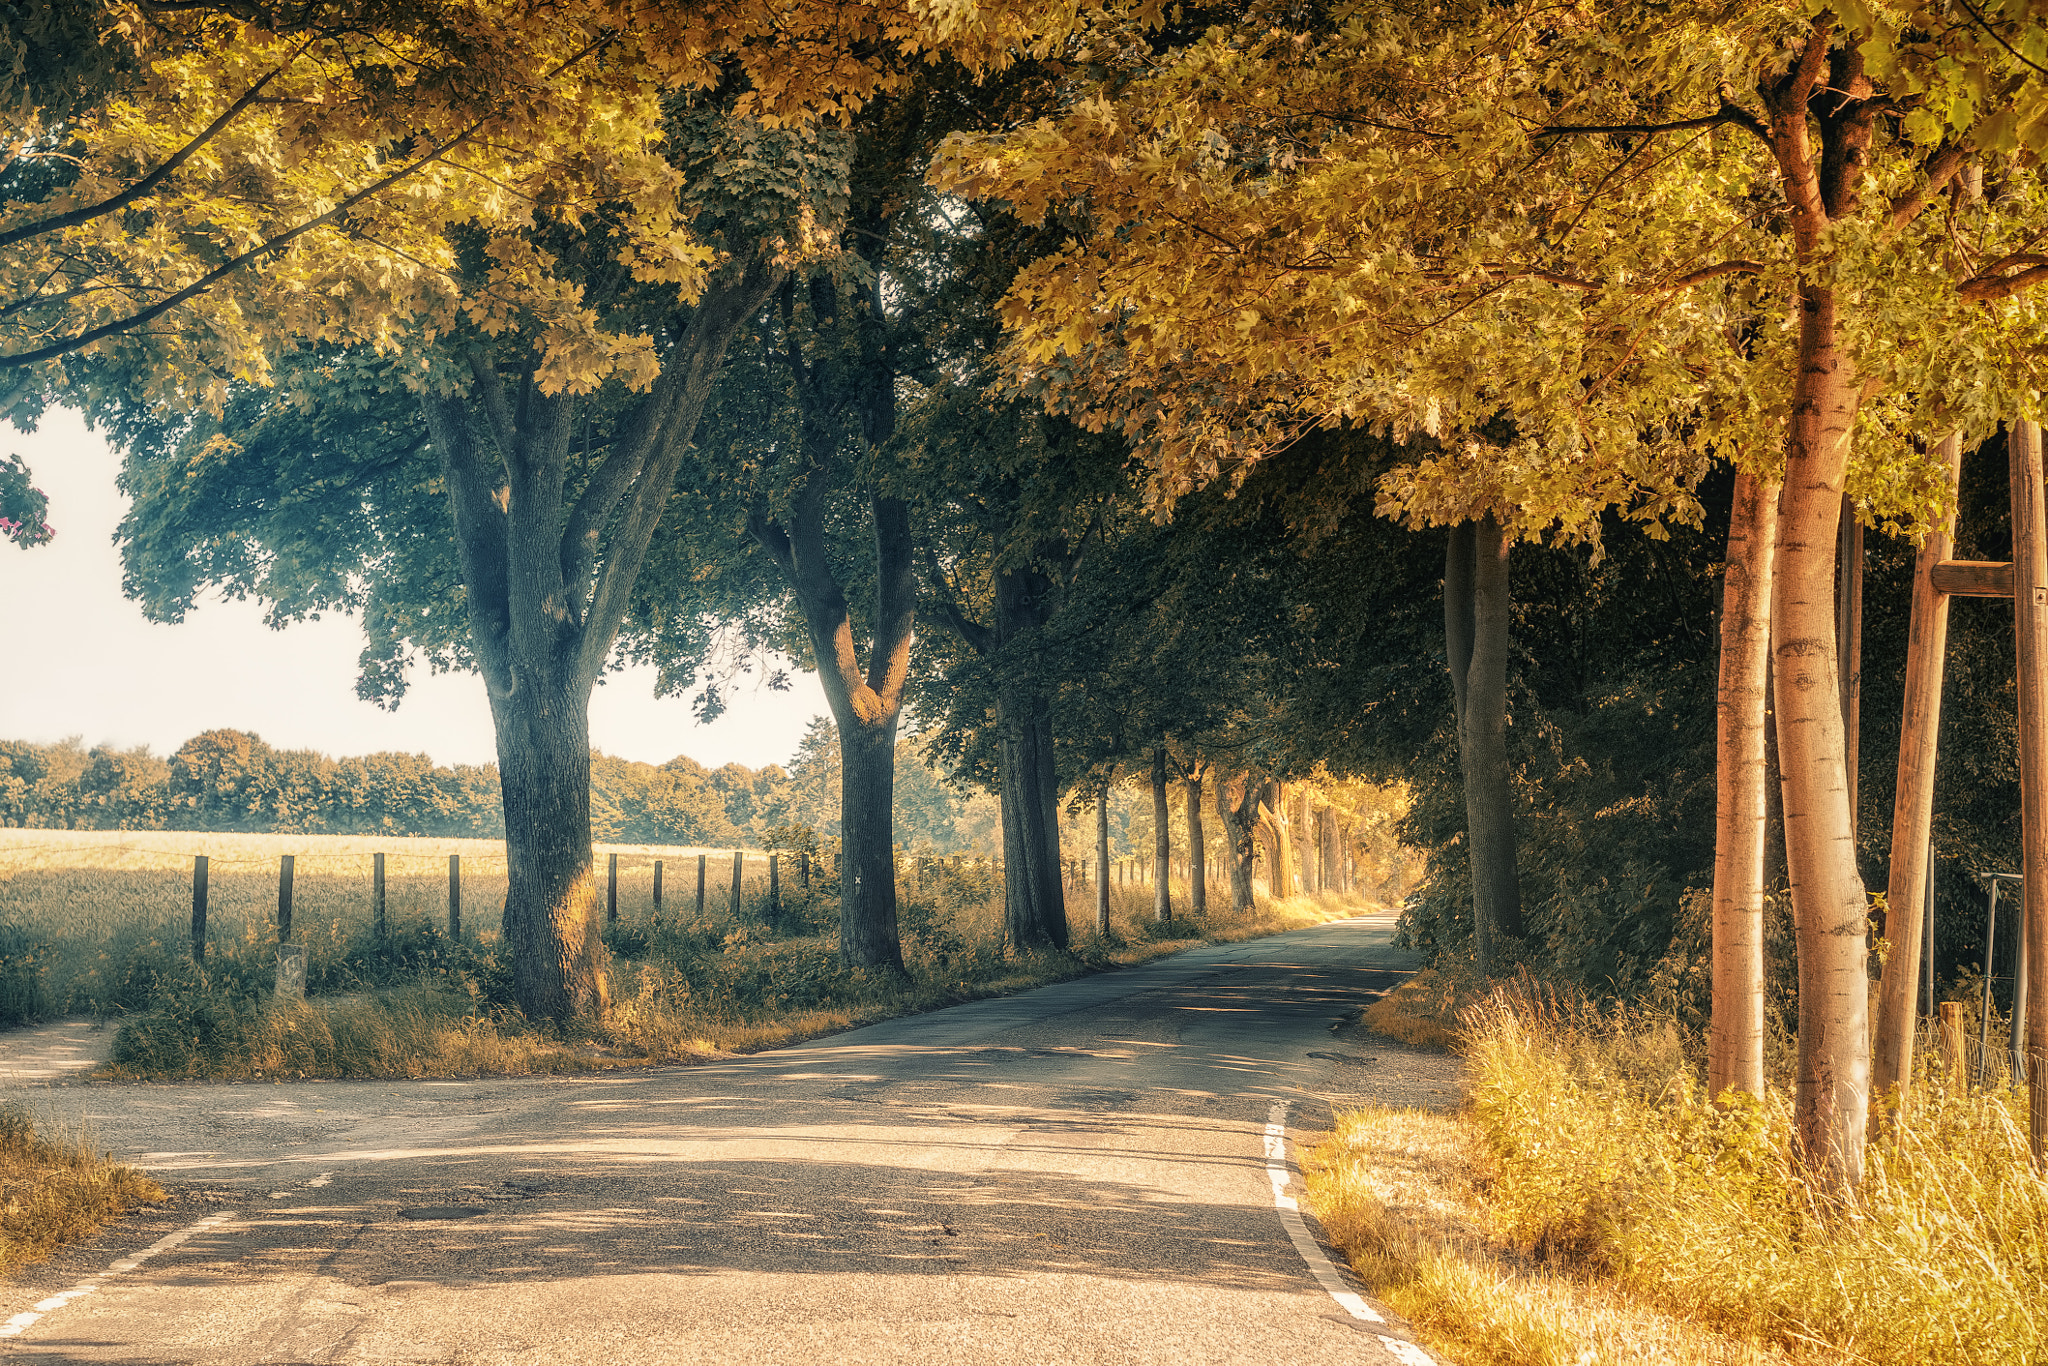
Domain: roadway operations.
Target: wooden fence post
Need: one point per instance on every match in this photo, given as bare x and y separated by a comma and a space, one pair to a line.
1952, 1043
291, 958
455, 896
657, 886
377, 921
775, 889
611, 890
199, 908
284, 899
739, 867
702, 859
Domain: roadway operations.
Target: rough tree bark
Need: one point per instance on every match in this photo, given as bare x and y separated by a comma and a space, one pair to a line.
1735, 1048
547, 578
1913, 803
1198, 869
1476, 613
1162, 841
1240, 826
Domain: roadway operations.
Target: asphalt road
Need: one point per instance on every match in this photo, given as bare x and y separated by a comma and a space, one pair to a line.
1083, 1173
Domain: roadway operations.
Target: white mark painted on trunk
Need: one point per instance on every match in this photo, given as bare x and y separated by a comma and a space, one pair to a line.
1350, 1301
14, 1326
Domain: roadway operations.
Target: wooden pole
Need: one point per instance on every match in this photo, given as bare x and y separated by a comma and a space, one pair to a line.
739, 864
611, 889
284, 899
702, 860
657, 886
1913, 806
1849, 637
378, 924
775, 888
199, 908
2030, 631
455, 896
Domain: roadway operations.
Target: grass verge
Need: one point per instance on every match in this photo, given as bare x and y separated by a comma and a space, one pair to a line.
685, 990
57, 1190
1590, 1205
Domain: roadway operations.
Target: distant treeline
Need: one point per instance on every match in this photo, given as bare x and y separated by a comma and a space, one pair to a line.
230, 780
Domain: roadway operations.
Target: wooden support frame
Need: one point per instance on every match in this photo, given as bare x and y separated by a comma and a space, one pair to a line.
2023, 582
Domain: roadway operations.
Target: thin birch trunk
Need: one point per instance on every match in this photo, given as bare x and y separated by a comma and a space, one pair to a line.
1735, 1049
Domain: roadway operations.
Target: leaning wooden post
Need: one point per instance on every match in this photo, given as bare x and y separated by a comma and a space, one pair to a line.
611, 890
739, 864
455, 896
378, 925
1913, 806
2030, 631
199, 908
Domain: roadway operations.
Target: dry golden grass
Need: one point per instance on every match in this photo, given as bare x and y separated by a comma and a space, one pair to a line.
1591, 1206
57, 1190
1402, 1192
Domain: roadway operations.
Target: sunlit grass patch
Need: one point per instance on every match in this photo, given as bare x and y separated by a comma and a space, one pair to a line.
55, 1190
1592, 1206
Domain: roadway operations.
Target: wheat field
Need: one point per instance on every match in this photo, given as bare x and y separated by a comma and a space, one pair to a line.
96, 883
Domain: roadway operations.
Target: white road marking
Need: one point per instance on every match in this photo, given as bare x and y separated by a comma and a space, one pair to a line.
1350, 1301
14, 1326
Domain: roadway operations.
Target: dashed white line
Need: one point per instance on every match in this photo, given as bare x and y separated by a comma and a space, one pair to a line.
14, 1326
1350, 1301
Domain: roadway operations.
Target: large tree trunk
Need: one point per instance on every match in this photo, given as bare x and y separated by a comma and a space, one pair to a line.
553, 918
867, 832
1280, 882
866, 703
1831, 1102
1198, 868
547, 576
1267, 829
1240, 825
1735, 1049
1905, 917
1476, 613
1162, 841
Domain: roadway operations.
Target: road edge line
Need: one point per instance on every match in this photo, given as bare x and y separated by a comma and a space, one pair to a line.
121, 1266
1280, 1174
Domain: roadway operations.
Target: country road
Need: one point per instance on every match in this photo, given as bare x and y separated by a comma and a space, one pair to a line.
1089, 1172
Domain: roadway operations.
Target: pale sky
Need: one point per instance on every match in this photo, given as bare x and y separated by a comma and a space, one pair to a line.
77, 658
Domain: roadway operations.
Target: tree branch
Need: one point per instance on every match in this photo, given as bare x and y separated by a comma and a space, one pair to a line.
480, 539
490, 391
1939, 170
115, 203
1729, 113
719, 315
221, 272
979, 638
1992, 284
